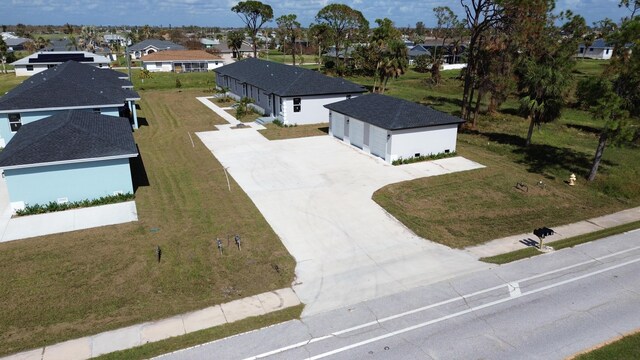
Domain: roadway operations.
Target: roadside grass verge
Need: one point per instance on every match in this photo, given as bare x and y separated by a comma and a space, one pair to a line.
274, 132
561, 244
204, 336
64, 286
628, 347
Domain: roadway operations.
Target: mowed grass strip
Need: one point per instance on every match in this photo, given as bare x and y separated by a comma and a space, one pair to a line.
561, 244
628, 347
274, 132
65, 286
203, 336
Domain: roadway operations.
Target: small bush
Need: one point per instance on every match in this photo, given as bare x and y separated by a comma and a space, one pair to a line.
178, 84
54, 206
279, 123
429, 157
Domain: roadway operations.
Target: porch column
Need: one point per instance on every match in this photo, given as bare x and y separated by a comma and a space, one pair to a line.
132, 107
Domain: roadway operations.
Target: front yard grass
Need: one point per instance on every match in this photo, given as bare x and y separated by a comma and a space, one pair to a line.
470, 208
249, 117
274, 132
8, 81
65, 286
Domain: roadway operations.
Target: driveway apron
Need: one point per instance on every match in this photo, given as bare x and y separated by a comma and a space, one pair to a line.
316, 194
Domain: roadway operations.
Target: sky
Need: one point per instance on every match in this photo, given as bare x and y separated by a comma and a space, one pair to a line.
218, 12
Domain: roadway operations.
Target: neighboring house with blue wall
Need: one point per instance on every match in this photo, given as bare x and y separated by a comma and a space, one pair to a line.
291, 94
70, 156
68, 86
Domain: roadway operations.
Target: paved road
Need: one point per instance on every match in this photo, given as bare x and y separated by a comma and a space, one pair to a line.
316, 194
548, 307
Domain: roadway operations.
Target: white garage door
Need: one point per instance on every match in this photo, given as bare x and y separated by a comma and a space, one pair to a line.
377, 141
337, 126
356, 133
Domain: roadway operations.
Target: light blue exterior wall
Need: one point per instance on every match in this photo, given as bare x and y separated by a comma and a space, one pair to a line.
78, 181
26, 117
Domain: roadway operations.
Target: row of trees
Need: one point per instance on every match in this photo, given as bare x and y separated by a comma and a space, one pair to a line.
516, 46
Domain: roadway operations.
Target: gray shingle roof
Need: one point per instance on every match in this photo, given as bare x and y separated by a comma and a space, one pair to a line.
286, 80
391, 113
68, 85
69, 135
158, 44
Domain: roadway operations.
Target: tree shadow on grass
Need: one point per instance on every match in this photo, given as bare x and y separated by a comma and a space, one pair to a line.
546, 159
584, 128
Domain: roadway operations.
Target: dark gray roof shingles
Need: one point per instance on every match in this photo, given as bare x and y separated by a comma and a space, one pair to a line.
69, 135
158, 44
391, 113
67, 85
286, 80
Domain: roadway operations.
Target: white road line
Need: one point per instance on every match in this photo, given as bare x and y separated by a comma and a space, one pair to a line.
514, 289
476, 308
444, 302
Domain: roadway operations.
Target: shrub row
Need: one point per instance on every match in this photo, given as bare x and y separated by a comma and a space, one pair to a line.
54, 206
279, 123
411, 160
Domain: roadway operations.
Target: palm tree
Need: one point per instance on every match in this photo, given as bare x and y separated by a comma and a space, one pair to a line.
545, 82
72, 43
234, 42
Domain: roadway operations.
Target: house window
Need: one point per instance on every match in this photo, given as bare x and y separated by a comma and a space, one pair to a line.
15, 122
606, 51
590, 49
158, 64
348, 96
29, 67
296, 104
96, 111
581, 50
50, 66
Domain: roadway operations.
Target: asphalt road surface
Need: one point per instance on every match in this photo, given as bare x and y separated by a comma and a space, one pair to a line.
547, 307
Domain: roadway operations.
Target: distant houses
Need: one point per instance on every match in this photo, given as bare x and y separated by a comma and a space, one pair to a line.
41, 61
291, 94
181, 61
225, 52
150, 46
599, 49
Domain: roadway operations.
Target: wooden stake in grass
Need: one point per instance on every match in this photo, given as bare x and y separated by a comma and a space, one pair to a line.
158, 253
219, 245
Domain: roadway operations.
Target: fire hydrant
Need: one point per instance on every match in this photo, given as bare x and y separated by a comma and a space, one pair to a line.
572, 180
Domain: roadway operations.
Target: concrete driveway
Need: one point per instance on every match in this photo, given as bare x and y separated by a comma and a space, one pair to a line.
316, 194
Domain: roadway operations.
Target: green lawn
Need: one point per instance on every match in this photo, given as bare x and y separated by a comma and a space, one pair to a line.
64, 286
167, 80
626, 348
485, 203
274, 132
9, 81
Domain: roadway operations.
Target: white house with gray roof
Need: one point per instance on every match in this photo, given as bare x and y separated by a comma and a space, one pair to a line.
150, 46
44, 60
291, 94
392, 128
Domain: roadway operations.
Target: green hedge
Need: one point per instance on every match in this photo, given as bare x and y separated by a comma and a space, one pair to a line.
54, 206
411, 160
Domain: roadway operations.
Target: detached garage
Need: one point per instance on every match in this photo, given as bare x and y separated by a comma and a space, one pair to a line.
392, 128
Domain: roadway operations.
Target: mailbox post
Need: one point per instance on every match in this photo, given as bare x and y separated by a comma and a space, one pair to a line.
542, 232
